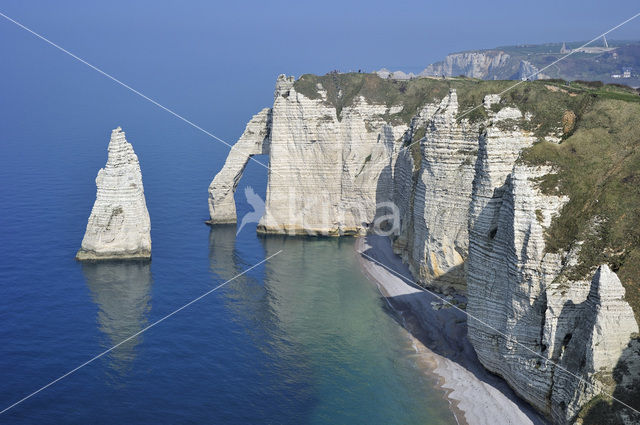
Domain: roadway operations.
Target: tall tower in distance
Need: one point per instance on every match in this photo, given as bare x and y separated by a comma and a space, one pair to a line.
564, 49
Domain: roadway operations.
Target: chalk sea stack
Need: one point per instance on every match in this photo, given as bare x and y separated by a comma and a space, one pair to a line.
119, 225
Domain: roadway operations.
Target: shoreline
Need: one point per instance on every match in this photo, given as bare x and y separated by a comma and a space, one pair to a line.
438, 334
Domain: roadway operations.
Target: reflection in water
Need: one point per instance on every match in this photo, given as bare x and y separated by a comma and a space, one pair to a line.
121, 290
282, 366
222, 256
247, 295
322, 330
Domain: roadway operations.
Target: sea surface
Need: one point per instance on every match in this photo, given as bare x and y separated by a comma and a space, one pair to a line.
304, 338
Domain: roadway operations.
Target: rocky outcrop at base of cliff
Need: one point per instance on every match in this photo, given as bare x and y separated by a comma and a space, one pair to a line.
119, 225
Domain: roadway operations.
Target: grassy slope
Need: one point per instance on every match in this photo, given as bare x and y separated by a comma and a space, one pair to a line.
599, 169
342, 89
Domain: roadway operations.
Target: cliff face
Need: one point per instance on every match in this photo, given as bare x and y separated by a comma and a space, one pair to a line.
484, 65
328, 168
526, 318
470, 216
596, 62
119, 225
435, 241
334, 160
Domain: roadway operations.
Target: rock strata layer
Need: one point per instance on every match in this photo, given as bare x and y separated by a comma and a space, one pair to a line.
544, 334
119, 225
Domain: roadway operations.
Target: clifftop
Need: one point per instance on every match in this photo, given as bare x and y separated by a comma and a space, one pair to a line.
546, 101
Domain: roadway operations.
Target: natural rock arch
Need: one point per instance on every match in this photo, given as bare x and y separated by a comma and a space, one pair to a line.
254, 141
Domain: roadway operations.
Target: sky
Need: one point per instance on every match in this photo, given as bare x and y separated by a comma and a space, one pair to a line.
230, 53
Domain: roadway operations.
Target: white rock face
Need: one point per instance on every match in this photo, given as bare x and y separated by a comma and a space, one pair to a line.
396, 75
528, 318
471, 218
528, 71
254, 141
442, 197
326, 172
602, 329
482, 65
434, 234
119, 225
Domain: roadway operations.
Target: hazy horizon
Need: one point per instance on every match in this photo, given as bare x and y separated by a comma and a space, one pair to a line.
206, 50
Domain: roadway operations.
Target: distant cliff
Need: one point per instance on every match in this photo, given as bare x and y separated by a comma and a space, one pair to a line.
594, 63
527, 202
486, 65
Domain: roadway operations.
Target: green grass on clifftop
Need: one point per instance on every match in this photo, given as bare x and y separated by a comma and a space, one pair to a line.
598, 168
545, 100
343, 89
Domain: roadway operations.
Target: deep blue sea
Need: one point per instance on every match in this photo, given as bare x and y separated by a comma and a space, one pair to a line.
303, 339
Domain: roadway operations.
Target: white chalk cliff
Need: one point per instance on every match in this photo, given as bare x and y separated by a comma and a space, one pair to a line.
436, 243
327, 170
544, 334
471, 219
484, 64
119, 225
472, 64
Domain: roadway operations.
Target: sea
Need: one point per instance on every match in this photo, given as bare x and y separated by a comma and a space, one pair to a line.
303, 338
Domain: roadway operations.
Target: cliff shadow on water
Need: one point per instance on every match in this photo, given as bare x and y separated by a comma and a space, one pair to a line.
122, 292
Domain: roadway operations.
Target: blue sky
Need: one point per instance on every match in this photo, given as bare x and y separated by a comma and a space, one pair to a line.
231, 52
